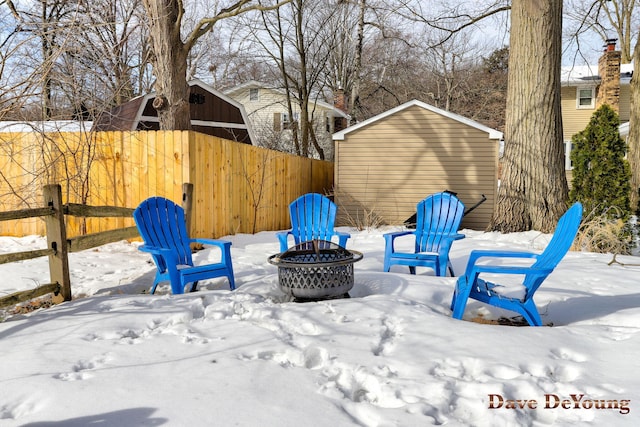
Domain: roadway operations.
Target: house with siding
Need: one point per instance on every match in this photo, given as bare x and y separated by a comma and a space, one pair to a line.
586, 88
385, 165
267, 109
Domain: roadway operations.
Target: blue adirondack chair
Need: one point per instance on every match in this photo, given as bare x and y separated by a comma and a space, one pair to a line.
472, 286
161, 224
438, 219
312, 218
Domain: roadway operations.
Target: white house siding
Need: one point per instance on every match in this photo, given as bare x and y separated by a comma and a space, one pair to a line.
573, 119
271, 103
261, 111
625, 103
390, 165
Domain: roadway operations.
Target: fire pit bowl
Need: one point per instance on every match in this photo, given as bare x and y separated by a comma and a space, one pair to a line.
316, 270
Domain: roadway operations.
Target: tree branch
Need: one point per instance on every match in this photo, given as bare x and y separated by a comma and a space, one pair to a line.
206, 24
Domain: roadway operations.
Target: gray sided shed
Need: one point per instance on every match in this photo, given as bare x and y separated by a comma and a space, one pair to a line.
385, 165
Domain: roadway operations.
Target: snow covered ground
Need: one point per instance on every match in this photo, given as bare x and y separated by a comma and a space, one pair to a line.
391, 355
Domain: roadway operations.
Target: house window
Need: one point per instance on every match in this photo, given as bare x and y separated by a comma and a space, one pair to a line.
568, 164
586, 97
287, 122
253, 94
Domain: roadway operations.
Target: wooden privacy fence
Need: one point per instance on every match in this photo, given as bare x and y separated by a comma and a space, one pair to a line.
58, 246
238, 188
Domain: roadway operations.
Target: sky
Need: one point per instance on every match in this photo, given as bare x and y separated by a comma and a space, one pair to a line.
390, 355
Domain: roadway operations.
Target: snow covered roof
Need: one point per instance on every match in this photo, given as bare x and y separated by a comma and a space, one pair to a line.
588, 74
624, 129
45, 126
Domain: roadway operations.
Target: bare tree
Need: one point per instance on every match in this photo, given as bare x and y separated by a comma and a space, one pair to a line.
357, 66
106, 61
44, 23
608, 19
298, 40
353, 22
170, 53
484, 99
450, 64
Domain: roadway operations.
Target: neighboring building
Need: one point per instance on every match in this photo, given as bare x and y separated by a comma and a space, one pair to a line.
586, 88
385, 165
212, 113
269, 115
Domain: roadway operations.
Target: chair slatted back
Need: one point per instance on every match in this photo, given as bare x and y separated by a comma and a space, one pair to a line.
558, 246
162, 224
438, 215
312, 217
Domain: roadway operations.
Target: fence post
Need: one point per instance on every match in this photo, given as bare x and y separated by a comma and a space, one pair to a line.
187, 204
57, 240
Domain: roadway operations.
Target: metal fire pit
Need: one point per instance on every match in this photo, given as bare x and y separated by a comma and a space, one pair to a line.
316, 270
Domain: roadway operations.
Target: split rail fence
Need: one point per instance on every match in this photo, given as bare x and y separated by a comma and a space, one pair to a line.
59, 246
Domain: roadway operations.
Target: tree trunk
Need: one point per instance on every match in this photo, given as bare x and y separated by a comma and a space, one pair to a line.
303, 88
357, 66
533, 193
633, 140
169, 64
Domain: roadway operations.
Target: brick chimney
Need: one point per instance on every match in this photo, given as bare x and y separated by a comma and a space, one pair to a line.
339, 102
609, 71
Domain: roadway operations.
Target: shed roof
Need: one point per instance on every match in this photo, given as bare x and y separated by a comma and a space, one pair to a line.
138, 113
492, 133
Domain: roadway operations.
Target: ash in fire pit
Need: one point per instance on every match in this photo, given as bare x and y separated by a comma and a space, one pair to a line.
316, 270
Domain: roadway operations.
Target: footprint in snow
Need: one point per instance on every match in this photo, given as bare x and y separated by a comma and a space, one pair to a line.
79, 371
389, 332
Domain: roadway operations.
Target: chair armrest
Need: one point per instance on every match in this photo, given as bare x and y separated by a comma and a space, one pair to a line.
395, 234
390, 237
473, 269
510, 269
167, 257
283, 233
282, 238
224, 245
452, 237
342, 237
213, 242
163, 257
153, 250
477, 254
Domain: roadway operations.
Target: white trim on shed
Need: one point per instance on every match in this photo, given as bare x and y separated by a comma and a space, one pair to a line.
493, 134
